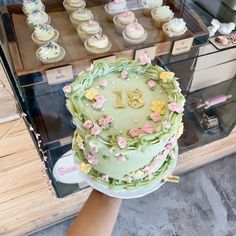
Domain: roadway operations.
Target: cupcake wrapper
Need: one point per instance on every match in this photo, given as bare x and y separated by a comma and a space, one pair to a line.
94, 50
70, 9
40, 42
130, 41
52, 60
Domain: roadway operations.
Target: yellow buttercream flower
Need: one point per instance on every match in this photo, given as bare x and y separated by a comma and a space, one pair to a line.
85, 168
158, 107
166, 75
91, 93
79, 140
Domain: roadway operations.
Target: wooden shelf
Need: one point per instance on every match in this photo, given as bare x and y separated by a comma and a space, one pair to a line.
26, 202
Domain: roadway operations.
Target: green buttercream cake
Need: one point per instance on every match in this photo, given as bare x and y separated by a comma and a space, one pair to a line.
128, 117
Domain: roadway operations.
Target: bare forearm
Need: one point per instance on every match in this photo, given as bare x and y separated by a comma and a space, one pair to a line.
97, 216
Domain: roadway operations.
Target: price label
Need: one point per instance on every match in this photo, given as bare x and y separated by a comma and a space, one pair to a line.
151, 52
182, 46
59, 75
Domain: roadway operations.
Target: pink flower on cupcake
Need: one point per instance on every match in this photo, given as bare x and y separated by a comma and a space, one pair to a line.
124, 74
145, 59
105, 178
91, 159
105, 121
99, 102
88, 124
93, 149
173, 106
134, 132
148, 129
67, 89
151, 84
121, 158
102, 83
155, 117
166, 124
121, 141
95, 130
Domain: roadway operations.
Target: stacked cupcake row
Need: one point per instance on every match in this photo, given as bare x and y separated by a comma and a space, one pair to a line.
43, 34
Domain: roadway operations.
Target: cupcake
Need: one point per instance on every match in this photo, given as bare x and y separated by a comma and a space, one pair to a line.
38, 18
50, 53
161, 15
80, 16
149, 5
98, 43
86, 29
30, 6
44, 34
174, 27
115, 7
124, 19
73, 5
134, 34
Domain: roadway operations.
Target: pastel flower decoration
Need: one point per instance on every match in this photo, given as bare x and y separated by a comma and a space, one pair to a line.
105, 178
148, 129
91, 94
95, 130
128, 179
158, 107
80, 142
93, 149
124, 74
166, 75
85, 168
166, 124
105, 121
138, 173
121, 141
99, 102
145, 59
134, 132
155, 117
102, 83
151, 84
67, 89
149, 169
173, 106
88, 124
109, 118
121, 158
91, 159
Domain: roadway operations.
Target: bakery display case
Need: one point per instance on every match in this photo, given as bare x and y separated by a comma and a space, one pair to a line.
206, 72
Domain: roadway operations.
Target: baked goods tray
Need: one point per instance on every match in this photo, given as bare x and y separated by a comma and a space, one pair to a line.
23, 49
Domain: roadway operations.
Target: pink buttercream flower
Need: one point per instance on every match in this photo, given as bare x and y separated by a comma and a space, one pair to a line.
124, 74
67, 89
148, 129
88, 124
151, 84
145, 59
91, 159
121, 158
155, 117
173, 106
105, 178
99, 102
93, 149
105, 121
121, 142
149, 169
95, 130
166, 124
109, 118
102, 82
171, 143
134, 132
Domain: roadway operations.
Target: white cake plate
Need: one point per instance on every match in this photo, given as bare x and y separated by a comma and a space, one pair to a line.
129, 194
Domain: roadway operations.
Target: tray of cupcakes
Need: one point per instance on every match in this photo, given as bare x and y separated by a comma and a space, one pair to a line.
52, 34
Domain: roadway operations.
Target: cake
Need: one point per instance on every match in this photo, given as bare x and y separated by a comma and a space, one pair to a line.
30, 6
86, 29
73, 5
124, 19
149, 5
50, 53
80, 16
44, 34
115, 7
98, 44
161, 15
134, 34
37, 18
175, 27
128, 117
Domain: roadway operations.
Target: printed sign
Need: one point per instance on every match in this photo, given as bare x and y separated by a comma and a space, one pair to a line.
151, 52
59, 75
182, 46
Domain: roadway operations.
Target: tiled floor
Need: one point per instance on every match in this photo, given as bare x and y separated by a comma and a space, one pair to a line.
202, 204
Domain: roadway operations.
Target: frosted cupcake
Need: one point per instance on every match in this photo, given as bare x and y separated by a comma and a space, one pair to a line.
97, 44
134, 34
80, 16
50, 53
38, 18
86, 29
124, 19
115, 7
175, 27
44, 34
161, 15
30, 6
149, 5
73, 5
